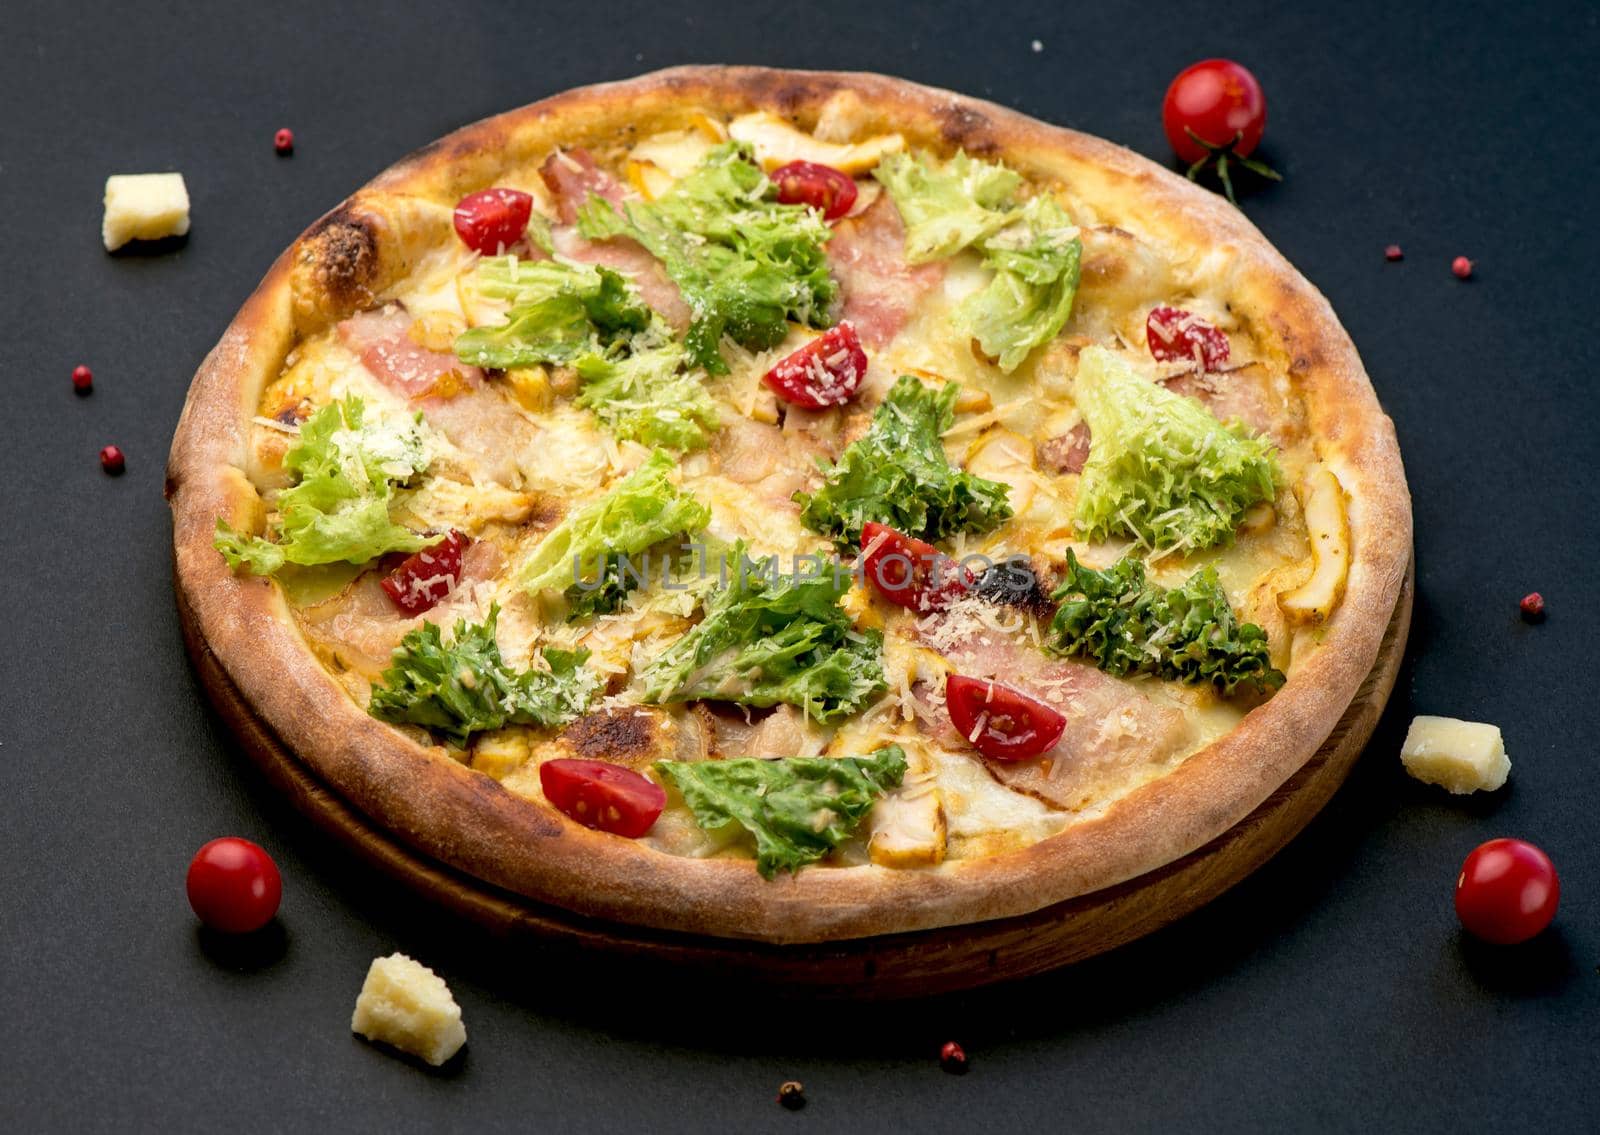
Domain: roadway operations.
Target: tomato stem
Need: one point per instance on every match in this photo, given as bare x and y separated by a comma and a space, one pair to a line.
1222, 155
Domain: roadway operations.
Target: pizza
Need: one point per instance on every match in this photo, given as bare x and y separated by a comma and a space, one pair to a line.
788, 506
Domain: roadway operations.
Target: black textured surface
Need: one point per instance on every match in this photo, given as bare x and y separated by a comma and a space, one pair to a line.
1332, 990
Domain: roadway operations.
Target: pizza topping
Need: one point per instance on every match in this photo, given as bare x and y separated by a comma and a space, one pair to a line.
426, 577
112, 460
1161, 468
647, 394
283, 141
572, 176
824, 188
492, 220
766, 640
1462, 267
877, 288
346, 466
1176, 336
558, 313
1001, 722
825, 372
82, 380
603, 796
910, 573
1032, 247
233, 886
641, 510
745, 262
466, 687
898, 475
776, 142
798, 809
1532, 607
1328, 527
1067, 452
388, 346
1507, 892
1127, 625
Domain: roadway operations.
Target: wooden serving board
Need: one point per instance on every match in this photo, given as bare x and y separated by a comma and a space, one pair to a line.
899, 965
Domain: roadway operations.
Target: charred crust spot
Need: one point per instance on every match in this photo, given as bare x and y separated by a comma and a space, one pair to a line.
967, 129
342, 252
623, 736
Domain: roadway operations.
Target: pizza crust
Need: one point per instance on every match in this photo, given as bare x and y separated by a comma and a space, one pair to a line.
471, 822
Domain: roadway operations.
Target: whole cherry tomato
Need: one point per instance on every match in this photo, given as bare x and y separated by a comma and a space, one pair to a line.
1000, 722
1507, 891
1218, 102
909, 572
825, 372
233, 885
601, 795
827, 190
492, 220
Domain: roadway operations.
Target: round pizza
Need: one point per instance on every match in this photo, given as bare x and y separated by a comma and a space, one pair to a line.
789, 506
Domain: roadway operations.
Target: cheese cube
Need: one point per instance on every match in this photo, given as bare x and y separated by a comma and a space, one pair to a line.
144, 206
1461, 756
405, 1004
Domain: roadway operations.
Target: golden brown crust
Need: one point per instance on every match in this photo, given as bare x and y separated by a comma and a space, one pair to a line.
470, 821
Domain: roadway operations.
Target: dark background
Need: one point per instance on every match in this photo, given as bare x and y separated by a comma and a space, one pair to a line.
1332, 990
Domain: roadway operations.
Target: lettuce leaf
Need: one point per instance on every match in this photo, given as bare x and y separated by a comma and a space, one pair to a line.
1033, 247
1161, 468
947, 207
798, 809
559, 311
766, 640
1028, 301
640, 510
897, 474
645, 395
466, 687
744, 263
1127, 625
346, 465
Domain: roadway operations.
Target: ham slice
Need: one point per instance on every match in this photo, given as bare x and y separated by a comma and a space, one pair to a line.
878, 290
1067, 452
456, 399
1114, 733
1244, 393
571, 176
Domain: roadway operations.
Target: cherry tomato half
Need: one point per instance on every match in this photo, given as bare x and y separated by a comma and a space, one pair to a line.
825, 372
604, 796
233, 885
1218, 100
1175, 335
1000, 722
1507, 891
492, 220
909, 572
827, 190
426, 577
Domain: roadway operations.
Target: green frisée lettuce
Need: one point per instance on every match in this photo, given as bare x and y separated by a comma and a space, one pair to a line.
948, 206
797, 809
466, 687
897, 474
1032, 247
1161, 468
558, 312
346, 464
639, 511
1127, 625
766, 640
1029, 299
644, 394
745, 263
